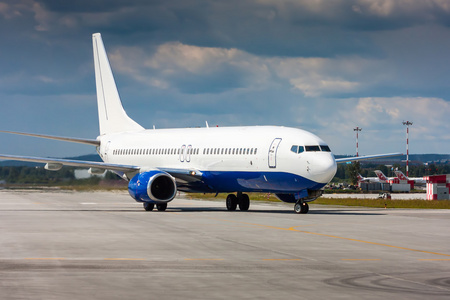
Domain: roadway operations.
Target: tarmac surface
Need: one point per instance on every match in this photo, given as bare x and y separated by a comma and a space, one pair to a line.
103, 245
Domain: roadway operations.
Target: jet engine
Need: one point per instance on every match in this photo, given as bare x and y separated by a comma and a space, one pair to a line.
153, 186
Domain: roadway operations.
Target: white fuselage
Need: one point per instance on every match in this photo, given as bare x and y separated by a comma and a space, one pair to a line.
263, 151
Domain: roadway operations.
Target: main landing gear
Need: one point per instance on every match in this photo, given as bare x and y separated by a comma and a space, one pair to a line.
241, 199
160, 206
301, 207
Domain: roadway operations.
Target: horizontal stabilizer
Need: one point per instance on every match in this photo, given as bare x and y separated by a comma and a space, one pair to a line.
58, 138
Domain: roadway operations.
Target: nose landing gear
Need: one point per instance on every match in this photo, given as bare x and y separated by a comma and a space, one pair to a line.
301, 207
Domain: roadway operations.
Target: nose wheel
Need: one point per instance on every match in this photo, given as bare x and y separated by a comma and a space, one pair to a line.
301, 207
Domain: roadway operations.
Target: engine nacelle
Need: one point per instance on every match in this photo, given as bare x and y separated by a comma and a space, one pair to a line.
153, 186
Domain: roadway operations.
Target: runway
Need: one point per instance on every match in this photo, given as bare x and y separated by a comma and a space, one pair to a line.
103, 245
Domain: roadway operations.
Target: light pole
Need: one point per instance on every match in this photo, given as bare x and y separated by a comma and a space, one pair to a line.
407, 123
357, 129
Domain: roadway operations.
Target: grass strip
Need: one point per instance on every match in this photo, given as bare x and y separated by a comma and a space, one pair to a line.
377, 203
388, 203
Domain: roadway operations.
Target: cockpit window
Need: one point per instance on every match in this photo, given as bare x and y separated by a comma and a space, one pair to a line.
312, 148
297, 149
325, 148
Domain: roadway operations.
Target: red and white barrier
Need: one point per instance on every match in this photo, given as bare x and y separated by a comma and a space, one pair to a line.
438, 187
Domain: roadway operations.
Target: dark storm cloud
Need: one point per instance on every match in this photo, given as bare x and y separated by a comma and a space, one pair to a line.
178, 63
287, 28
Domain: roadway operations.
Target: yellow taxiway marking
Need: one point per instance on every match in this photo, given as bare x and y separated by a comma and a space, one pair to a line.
124, 259
363, 259
44, 258
203, 259
282, 259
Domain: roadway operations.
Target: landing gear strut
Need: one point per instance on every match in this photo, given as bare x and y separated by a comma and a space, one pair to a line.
241, 199
301, 207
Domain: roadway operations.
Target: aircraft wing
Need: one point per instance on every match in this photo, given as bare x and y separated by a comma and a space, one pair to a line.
58, 138
355, 158
186, 176
73, 163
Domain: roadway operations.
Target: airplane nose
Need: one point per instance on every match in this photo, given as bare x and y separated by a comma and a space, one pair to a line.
323, 168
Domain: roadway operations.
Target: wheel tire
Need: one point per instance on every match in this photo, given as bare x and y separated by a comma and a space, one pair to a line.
149, 206
301, 208
244, 202
161, 206
305, 208
232, 202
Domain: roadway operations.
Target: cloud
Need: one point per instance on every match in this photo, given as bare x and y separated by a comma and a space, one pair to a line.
381, 120
191, 69
215, 70
325, 66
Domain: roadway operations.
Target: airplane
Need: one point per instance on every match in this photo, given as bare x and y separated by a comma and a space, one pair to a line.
367, 179
417, 180
291, 163
382, 177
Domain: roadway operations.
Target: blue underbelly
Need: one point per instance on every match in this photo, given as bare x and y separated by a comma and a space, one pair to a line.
273, 182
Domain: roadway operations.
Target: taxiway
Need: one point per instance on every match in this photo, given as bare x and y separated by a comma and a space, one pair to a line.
103, 245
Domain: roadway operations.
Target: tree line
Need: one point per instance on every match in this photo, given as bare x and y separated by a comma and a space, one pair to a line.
39, 175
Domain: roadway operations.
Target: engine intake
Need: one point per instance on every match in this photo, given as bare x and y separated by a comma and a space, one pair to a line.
153, 186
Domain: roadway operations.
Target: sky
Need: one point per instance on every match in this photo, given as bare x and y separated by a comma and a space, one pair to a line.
322, 66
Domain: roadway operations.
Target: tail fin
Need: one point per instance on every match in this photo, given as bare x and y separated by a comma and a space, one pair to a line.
112, 117
400, 175
360, 178
381, 175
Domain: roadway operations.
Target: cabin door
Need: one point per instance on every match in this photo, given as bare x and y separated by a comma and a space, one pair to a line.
273, 153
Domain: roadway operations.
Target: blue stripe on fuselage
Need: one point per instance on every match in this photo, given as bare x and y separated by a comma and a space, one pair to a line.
273, 182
